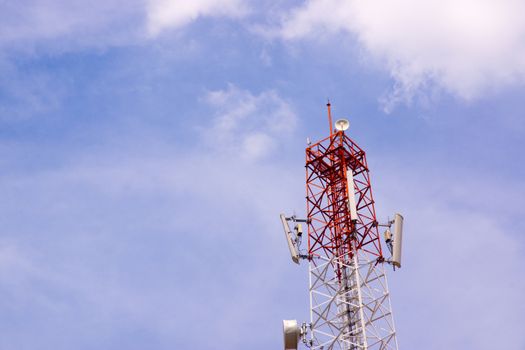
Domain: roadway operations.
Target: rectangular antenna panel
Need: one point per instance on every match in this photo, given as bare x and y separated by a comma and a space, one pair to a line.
398, 240
291, 245
351, 194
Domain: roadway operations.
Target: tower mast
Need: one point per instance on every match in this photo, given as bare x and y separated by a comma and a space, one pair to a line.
350, 305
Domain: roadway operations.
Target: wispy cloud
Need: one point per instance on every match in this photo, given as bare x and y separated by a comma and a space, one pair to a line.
155, 240
250, 125
27, 94
65, 25
174, 14
467, 48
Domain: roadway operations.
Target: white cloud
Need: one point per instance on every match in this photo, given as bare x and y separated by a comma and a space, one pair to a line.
247, 124
166, 14
466, 47
65, 25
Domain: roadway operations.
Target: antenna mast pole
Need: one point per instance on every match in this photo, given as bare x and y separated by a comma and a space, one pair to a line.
328, 106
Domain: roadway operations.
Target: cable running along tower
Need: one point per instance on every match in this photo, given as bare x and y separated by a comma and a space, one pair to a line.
349, 299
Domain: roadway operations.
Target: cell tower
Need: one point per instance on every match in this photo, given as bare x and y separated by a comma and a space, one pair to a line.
349, 299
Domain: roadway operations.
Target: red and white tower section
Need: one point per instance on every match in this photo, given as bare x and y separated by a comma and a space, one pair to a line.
349, 299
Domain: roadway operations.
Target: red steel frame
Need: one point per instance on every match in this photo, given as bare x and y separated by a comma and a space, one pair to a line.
331, 229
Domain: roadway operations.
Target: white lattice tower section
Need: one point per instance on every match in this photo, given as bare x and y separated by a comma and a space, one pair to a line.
355, 314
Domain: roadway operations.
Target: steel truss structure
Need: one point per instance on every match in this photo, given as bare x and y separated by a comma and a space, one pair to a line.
349, 299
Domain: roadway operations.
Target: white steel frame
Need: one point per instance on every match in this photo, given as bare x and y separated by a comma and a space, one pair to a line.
353, 312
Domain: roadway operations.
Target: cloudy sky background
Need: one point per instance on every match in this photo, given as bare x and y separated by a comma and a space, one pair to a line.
147, 148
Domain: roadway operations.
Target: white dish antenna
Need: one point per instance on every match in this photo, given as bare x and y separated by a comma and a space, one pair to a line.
342, 124
291, 244
291, 334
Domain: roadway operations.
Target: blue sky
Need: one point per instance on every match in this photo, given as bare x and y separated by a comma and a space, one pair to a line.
147, 148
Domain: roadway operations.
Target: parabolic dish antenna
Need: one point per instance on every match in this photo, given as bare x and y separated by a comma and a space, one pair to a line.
342, 124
